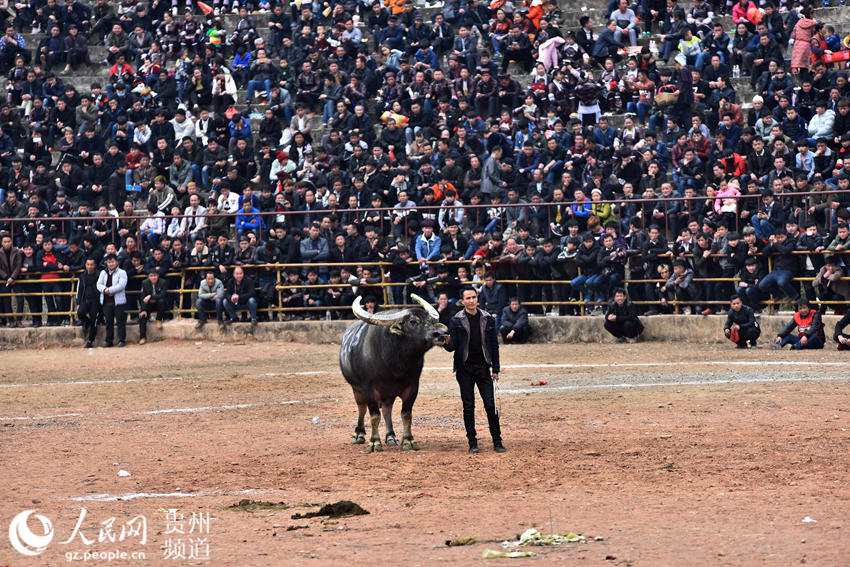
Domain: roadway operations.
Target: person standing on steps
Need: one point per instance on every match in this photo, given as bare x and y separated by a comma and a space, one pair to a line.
88, 301
111, 284
475, 343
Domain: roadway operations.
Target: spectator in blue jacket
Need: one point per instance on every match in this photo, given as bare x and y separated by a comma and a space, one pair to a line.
427, 244
604, 135
248, 218
240, 128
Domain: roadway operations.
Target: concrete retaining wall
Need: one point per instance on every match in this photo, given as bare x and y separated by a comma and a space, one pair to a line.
670, 328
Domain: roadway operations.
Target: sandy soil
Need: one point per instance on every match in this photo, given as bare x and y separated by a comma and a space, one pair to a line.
667, 453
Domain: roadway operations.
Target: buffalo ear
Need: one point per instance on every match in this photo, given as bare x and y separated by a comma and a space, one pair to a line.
396, 329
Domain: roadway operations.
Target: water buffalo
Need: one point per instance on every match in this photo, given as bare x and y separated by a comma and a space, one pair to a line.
381, 357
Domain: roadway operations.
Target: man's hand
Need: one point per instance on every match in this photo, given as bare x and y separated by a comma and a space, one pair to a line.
736, 327
147, 299
843, 340
612, 317
234, 298
495, 376
804, 340
511, 334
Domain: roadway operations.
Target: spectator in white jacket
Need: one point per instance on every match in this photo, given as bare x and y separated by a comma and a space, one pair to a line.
228, 201
111, 284
184, 126
451, 211
194, 222
281, 163
820, 126
202, 127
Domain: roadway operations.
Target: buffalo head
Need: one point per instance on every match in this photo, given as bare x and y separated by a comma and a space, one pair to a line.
421, 327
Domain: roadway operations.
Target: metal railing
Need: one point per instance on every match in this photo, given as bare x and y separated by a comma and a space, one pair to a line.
183, 296
553, 209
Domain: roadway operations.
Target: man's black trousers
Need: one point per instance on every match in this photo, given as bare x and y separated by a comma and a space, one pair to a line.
87, 312
468, 377
115, 314
625, 328
750, 334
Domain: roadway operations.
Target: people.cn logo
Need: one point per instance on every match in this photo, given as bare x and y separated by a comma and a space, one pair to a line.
22, 537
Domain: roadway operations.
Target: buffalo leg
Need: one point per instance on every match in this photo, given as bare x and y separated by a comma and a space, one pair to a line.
375, 417
359, 436
387, 412
407, 399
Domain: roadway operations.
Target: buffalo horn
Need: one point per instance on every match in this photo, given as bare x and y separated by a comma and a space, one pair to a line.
433, 313
383, 318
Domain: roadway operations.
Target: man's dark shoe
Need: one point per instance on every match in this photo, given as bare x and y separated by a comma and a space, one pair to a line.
499, 448
107, 345
89, 344
121, 344
473, 447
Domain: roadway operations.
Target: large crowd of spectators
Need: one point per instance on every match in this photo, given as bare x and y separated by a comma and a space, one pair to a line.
355, 132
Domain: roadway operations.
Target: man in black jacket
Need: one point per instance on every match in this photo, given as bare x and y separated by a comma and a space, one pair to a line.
741, 326
839, 336
493, 297
586, 259
621, 319
239, 294
771, 216
513, 325
152, 298
785, 264
475, 344
88, 301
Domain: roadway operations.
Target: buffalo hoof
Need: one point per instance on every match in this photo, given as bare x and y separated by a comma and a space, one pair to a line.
375, 447
409, 445
358, 439
391, 440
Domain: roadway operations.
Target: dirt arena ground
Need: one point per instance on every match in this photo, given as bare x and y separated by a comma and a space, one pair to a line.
662, 454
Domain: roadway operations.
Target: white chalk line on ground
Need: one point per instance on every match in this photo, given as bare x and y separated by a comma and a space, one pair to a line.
165, 411
227, 407
106, 497
156, 379
629, 386
544, 366
39, 417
